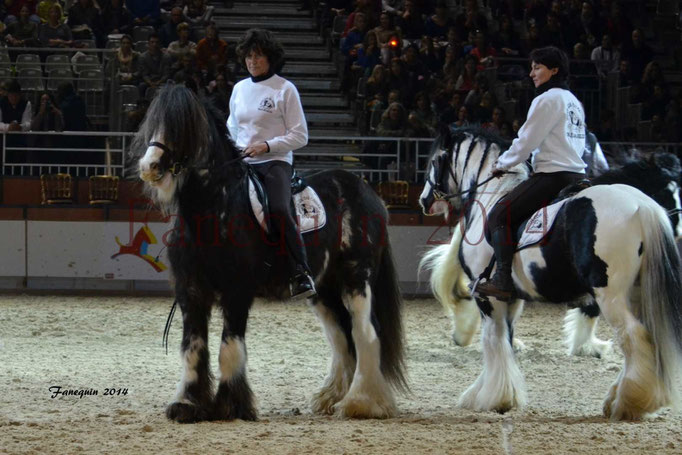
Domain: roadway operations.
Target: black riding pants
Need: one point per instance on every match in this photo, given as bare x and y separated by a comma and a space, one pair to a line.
528, 197
276, 178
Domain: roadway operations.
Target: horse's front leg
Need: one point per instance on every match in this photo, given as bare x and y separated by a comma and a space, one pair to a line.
194, 395
500, 386
234, 399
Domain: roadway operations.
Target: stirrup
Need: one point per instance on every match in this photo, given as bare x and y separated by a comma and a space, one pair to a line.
489, 289
302, 286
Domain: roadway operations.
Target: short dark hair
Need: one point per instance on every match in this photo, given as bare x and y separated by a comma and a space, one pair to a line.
552, 57
256, 39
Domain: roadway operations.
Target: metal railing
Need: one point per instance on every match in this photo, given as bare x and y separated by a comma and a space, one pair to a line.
85, 153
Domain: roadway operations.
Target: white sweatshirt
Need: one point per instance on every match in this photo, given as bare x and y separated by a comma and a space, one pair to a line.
554, 133
267, 111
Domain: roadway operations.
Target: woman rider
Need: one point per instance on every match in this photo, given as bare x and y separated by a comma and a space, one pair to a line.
554, 134
267, 121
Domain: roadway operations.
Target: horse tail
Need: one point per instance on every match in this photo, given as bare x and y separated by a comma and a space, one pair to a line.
387, 310
660, 307
447, 280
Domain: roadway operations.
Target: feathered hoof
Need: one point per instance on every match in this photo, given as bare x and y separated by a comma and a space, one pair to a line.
594, 348
222, 411
518, 345
186, 413
631, 401
323, 401
356, 408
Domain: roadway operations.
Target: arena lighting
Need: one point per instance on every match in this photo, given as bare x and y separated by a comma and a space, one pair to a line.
393, 43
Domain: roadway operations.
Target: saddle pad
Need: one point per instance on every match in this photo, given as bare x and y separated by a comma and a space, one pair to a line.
539, 225
310, 214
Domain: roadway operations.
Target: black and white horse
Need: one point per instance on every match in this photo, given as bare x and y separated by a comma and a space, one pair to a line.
657, 175
609, 242
220, 255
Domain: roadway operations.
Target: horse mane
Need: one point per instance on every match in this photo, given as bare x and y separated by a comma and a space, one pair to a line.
649, 174
451, 135
192, 127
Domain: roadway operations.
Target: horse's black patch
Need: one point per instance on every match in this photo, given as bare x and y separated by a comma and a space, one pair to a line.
590, 310
641, 249
573, 267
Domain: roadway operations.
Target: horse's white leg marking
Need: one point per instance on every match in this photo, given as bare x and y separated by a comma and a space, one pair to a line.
190, 358
637, 390
342, 364
579, 335
232, 358
500, 386
369, 395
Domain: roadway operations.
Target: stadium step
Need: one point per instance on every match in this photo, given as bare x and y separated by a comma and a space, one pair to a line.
286, 38
308, 69
322, 101
280, 24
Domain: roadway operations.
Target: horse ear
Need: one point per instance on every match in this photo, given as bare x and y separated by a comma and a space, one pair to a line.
445, 136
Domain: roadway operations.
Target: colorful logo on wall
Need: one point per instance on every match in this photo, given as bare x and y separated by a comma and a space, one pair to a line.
143, 238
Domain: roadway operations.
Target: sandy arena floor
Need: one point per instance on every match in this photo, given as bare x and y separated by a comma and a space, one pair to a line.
99, 343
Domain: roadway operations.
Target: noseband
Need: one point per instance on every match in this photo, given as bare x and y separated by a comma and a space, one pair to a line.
165, 164
439, 189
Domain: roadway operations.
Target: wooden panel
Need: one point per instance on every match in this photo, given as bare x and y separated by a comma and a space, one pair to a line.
11, 213
64, 214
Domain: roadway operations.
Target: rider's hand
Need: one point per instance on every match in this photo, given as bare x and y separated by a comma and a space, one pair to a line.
256, 149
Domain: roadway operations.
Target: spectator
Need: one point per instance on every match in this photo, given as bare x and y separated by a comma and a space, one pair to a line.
591, 25
43, 10
368, 55
625, 76
506, 39
618, 25
653, 75
15, 109
364, 7
552, 33
655, 104
387, 34
470, 20
481, 86
483, 112
466, 79
417, 74
23, 32
47, 117
429, 56
637, 53
395, 7
437, 25
584, 74
169, 31
197, 13
145, 12
606, 131
376, 88
533, 39
54, 33
605, 57
85, 22
536, 13
72, 107
13, 10
118, 18
155, 65
220, 91
452, 66
485, 54
398, 79
353, 40
333, 8
422, 120
187, 73
462, 117
126, 63
497, 124
183, 46
451, 112
211, 53
411, 21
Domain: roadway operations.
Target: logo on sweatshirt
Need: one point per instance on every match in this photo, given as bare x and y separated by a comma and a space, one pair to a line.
267, 104
574, 124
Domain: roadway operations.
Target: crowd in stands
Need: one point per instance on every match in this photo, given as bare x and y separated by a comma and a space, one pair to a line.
149, 43
424, 63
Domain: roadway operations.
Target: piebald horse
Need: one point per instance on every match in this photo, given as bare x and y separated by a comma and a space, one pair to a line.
610, 243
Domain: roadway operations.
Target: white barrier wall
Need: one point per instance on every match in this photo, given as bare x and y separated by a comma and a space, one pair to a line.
90, 250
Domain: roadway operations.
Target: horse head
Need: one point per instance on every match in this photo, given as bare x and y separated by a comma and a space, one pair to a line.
180, 133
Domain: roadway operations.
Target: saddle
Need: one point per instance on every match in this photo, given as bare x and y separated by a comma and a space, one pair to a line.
307, 207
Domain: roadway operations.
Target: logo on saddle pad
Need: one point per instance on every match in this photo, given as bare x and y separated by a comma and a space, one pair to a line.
310, 214
539, 225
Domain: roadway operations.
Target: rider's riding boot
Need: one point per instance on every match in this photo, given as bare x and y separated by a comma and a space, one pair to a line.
302, 284
501, 285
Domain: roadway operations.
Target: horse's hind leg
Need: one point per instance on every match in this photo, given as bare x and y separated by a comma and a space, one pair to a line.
330, 312
500, 386
193, 399
637, 390
234, 399
580, 325
369, 395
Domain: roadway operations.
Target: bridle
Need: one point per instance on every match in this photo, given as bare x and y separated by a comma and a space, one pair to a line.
438, 185
166, 163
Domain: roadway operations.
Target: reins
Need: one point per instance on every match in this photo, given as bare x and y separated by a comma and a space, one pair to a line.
440, 196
